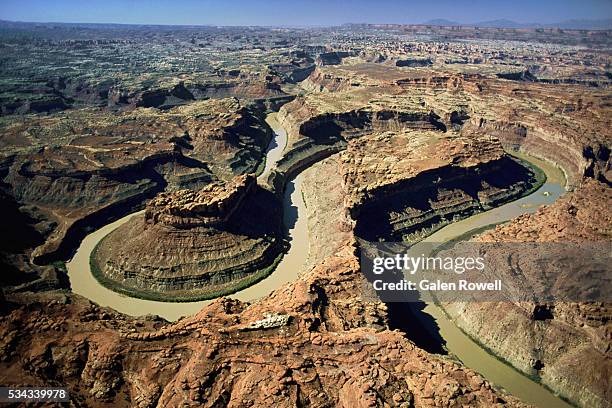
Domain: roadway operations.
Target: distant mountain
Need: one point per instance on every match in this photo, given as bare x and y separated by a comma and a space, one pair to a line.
604, 24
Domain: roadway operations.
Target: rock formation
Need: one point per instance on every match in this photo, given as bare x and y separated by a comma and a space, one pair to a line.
572, 136
194, 244
568, 347
381, 114
211, 206
79, 169
408, 185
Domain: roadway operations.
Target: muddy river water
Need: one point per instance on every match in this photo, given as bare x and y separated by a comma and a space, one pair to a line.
457, 343
83, 282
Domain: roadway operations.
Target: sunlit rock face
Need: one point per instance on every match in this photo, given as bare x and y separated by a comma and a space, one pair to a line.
192, 243
211, 206
381, 114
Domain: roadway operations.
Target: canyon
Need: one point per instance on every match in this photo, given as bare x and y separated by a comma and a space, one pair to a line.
556, 340
391, 139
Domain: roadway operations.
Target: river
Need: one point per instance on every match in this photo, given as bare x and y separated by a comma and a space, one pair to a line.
83, 282
457, 343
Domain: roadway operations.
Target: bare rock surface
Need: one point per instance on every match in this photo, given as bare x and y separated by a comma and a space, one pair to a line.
188, 244
408, 107
72, 171
567, 345
324, 347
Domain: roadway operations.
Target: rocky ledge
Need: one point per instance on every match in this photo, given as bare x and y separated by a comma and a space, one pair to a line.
74, 171
313, 343
405, 185
193, 245
566, 345
211, 206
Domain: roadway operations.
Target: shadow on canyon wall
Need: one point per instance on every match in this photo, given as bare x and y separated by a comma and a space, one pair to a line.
418, 325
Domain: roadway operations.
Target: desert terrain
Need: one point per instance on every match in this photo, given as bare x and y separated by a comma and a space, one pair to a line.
235, 148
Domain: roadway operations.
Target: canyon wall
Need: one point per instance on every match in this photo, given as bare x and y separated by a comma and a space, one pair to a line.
565, 345
75, 173
194, 244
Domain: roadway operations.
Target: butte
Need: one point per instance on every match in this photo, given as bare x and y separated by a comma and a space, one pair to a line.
193, 245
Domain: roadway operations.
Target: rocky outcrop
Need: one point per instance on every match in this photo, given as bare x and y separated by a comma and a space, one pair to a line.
316, 133
332, 57
243, 89
518, 76
425, 183
44, 104
312, 341
300, 67
558, 127
106, 165
194, 244
414, 62
209, 207
346, 125
316, 340
566, 345
569, 128
543, 144
351, 77
563, 125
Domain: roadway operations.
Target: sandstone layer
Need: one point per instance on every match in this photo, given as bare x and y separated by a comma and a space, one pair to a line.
328, 345
476, 107
313, 342
565, 345
563, 125
76, 170
399, 102
194, 244
406, 185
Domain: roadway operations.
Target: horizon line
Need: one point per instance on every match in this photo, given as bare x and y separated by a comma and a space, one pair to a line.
431, 22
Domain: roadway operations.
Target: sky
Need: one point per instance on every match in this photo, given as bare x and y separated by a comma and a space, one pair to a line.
300, 12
